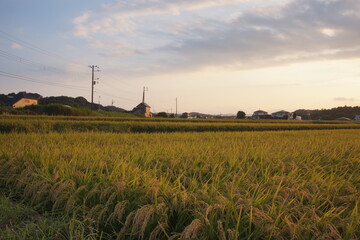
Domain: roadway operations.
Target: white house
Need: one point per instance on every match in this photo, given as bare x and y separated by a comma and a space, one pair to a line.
281, 114
259, 114
357, 118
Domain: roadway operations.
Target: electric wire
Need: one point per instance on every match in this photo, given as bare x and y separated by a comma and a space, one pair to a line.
114, 96
31, 46
29, 79
15, 58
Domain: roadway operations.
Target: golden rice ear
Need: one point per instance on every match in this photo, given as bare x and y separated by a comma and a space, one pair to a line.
106, 193
232, 233
220, 233
192, 229
127, 223
141, 219
70, 204
155, 233
118, 212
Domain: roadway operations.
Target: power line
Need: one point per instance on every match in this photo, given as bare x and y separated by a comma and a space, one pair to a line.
114, 96
29, 79
25, 61
118, 89
31, 46
15, 76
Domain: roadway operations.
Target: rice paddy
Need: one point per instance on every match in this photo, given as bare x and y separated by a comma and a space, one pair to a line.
190, 184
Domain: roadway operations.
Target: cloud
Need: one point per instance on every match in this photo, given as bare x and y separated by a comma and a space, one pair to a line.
116, 17
141, 8
344, 99
16, 46
113, 48
302, 30
328, 32
279, 32
85, 28
82, 18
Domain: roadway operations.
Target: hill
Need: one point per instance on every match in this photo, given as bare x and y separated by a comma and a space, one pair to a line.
60, 105
78, 102
11, 98
329, 114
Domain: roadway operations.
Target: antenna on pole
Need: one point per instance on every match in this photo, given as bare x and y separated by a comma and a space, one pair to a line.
176, 108
145, 89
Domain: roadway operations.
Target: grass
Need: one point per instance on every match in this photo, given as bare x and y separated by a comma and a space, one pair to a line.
208, 185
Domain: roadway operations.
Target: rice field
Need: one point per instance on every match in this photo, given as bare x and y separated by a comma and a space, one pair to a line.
146, 125
191, 184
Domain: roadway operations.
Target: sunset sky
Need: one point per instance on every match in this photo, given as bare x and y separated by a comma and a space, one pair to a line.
215, 56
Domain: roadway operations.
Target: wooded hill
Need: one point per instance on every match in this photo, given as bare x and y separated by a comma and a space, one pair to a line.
329, 114
78, 102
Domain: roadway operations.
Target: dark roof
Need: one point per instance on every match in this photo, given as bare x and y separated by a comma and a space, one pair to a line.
142, 105
258, 111
282, 111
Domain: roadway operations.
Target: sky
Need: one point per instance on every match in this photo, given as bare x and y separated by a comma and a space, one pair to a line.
214, 56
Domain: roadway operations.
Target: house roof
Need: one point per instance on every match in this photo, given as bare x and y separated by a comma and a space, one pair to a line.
18, 100
260, 111
343, 119
142, 105
282, 111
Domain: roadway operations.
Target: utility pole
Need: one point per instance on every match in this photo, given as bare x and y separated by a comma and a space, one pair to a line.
176, 107
93, 82
145, 89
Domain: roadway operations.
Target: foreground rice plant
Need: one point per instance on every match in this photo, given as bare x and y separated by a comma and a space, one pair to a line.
224, 185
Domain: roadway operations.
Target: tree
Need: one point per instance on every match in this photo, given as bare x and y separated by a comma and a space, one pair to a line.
240, 115
162, 114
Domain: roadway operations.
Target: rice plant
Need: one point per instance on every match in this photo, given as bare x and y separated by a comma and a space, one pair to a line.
202, 185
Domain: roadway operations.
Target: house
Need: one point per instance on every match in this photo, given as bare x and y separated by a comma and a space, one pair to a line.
343, 119
142, 109
294, 116
357, 118
185, 115
281, 114
22, 102
260, 114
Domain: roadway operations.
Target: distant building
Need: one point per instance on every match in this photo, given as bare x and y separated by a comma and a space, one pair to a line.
281, 114
259, 114
185, 115
343, 119
357, 118
142, 109
294, 116
23, 102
